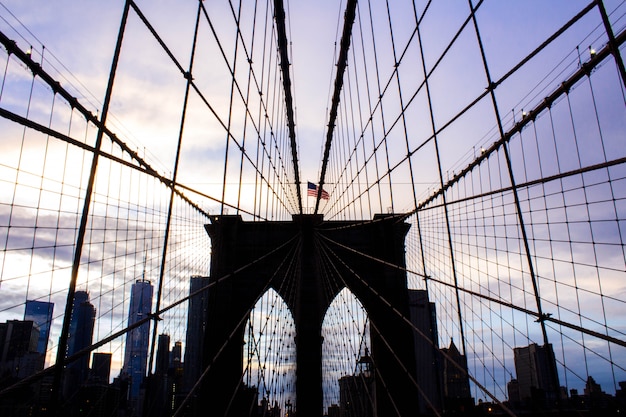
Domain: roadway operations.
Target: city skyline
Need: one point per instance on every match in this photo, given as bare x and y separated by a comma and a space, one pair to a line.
532, 362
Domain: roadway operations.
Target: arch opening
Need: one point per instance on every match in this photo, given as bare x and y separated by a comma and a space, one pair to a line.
345, 352
269, 354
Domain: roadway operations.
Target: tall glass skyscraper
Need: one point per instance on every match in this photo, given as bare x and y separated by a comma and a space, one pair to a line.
136, 353
40, 312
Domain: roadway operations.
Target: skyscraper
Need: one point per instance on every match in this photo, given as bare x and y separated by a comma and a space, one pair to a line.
196, 321
176, 356
101, 367
40, 312
158, 398
136, 353
18, 349
162, 355
456, 388
80, 336
535, 367
426, 349
356, 396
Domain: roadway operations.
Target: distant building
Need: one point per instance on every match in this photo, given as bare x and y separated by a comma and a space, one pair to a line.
19, 357
592, 387
357, 392
425, 338
513, 391
101, 367
620, 395
355, 398
333, 411
95, 396
196, 322
40, 312
455, 378
80, 336
158, 401
137, 340
536, 374
176, 357
596, 398
162, 355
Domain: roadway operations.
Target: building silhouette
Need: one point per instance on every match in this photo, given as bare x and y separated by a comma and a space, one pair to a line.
196, 323
81, 336
333, 411
537, 380
157, 401
356, 398
161, 387
19, 357
357, 395
96, 397
176, 357
162, 355
101, 367
137, 340
40, 312
455, 379
425, 338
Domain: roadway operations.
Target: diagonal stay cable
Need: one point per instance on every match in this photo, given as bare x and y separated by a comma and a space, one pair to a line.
408, 321
619, 39
56, 87
142, 166
290, 272
327, 252
545, 317
152, 316
241, 321
563, 88
272, 161
342, 63
189, 76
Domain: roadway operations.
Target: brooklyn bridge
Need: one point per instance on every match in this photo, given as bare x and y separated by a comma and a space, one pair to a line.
279, 208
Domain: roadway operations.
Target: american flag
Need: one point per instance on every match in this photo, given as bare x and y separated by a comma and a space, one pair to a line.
312, 191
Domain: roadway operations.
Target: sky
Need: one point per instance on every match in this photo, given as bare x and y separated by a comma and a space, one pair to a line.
79, 40
82, 39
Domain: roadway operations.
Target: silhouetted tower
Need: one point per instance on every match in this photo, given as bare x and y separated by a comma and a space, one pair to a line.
137, 340
456, 388
101, 367
196, 322
425, 338
163, 355
18, 349
80, 336
40, 312
534, 366
176, 356
357, 392
235, 244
